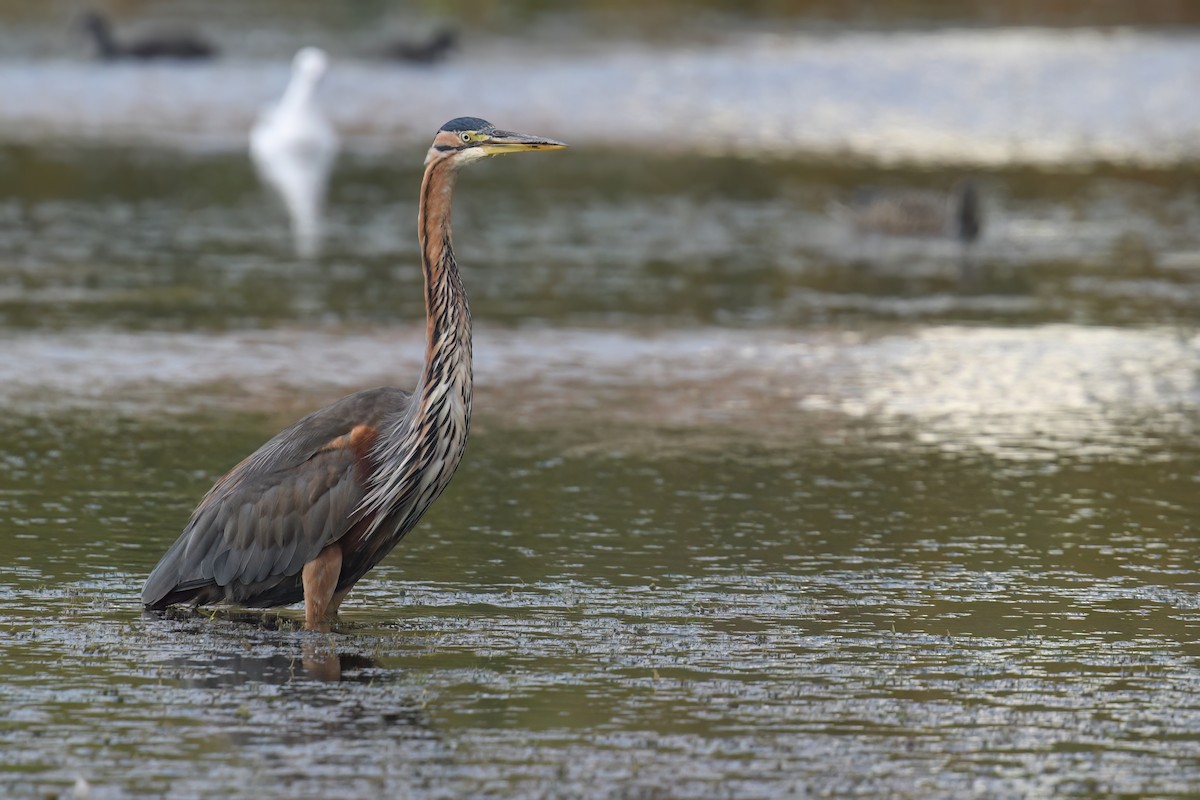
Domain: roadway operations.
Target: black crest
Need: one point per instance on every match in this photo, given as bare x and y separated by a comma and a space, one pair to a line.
467, 124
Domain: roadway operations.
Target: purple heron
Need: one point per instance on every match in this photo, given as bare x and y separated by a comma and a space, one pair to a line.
311, 511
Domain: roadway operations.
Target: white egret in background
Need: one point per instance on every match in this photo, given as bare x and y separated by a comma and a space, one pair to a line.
294, 147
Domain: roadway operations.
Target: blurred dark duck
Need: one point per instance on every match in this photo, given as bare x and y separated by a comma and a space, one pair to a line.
154, 46
957, 214
434, 49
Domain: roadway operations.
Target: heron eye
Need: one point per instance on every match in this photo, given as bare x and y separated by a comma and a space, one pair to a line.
465, 136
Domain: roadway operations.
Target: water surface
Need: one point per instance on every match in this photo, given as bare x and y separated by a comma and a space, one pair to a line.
755, 505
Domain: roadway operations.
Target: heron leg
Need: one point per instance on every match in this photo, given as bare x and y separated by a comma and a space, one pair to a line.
320, 578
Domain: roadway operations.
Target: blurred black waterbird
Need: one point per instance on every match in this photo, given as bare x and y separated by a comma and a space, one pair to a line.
152, 46
436, 48
312, 510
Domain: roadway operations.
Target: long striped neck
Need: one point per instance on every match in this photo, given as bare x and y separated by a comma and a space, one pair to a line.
447, 315
419, 449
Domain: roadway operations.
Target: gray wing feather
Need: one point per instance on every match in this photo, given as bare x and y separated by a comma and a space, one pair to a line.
274, 512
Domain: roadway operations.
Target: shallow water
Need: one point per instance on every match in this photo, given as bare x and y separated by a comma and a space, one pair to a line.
683, 612
754, 505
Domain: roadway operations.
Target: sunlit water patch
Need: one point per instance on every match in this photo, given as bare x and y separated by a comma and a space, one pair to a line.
1027, 393
965, 96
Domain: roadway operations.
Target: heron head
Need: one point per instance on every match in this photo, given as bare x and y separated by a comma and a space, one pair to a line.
467, 139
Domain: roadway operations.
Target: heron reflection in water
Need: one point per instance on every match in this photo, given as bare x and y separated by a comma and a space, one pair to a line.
294, 147
312, 510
